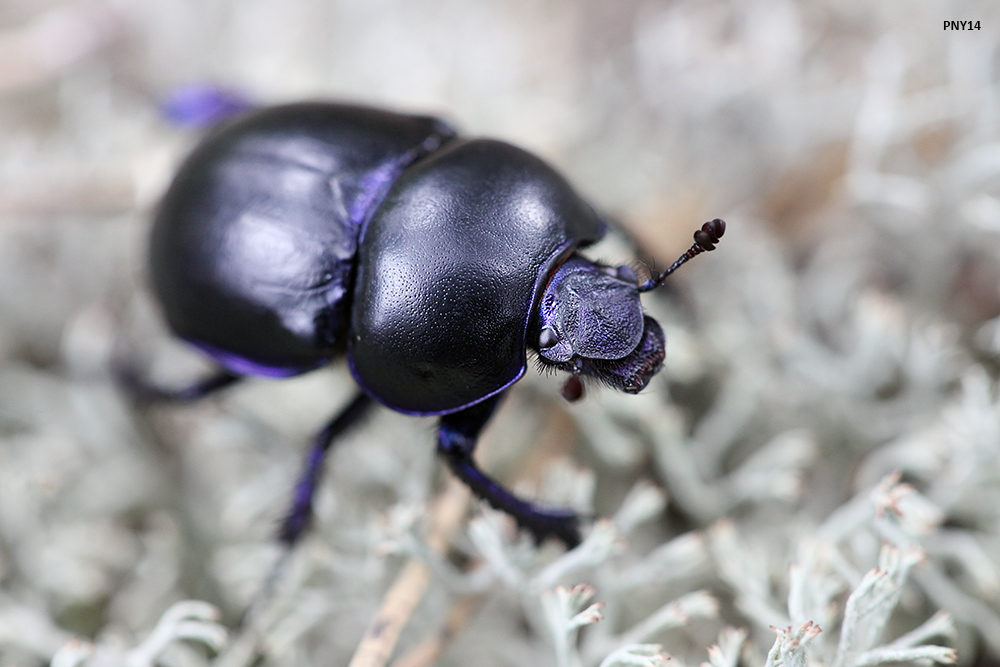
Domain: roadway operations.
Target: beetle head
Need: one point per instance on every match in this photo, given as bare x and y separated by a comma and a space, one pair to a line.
590, 323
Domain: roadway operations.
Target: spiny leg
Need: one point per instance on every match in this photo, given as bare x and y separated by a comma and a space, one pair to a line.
300, 513
457, 437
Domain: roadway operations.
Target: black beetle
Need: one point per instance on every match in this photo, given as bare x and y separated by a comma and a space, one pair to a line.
298, 233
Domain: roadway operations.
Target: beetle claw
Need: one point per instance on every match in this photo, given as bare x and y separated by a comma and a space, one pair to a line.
563, 525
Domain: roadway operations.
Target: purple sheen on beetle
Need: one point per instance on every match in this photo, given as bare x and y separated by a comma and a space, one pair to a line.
372, 188
375, 184
243, 366
591, 311
201, 105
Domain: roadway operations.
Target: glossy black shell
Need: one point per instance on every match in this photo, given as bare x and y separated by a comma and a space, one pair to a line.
295, 230
450, 270
253, 247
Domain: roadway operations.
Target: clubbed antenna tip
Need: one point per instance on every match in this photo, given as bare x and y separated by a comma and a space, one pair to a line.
705, 240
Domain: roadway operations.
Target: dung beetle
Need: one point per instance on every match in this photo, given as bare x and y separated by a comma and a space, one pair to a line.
295, 234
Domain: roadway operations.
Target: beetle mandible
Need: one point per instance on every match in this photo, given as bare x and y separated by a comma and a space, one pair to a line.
295, 234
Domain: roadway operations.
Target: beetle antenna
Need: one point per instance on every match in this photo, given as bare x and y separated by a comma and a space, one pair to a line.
704, 241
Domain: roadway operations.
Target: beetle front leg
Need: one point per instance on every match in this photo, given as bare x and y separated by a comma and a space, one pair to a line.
457, 437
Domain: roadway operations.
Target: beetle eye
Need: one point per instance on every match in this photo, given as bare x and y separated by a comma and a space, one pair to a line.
547, 338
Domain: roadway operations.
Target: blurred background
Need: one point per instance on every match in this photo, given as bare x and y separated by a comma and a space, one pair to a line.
845, 329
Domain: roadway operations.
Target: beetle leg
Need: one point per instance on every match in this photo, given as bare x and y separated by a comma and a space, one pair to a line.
144, 392
300, 513
298, 516
457, 437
